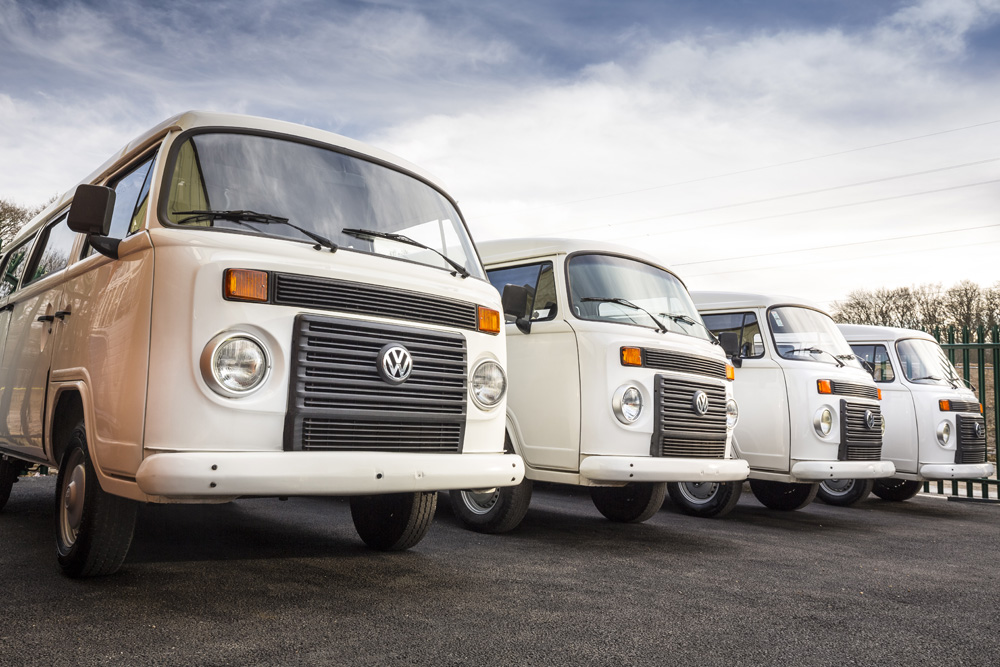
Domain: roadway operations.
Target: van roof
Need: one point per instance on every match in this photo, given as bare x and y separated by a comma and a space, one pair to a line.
863, 333
730, 300
511, 250
195, 119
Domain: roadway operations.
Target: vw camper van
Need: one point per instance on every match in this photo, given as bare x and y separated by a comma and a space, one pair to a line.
615, 383
935, 428
233, 306
808, 409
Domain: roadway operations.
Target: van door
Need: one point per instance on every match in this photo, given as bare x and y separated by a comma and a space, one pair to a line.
11, 270
34, 308
899, 442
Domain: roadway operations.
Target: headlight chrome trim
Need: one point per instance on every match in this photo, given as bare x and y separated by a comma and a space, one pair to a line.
623, 403
480, 403
208, 364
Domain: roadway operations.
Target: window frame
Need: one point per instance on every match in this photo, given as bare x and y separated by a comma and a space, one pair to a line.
41, 240
743, 326
28, 242
541, 267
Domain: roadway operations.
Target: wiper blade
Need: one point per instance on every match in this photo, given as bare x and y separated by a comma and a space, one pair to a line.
243, 217
627, 304
928, 377
375, 234
690, 320
816, 350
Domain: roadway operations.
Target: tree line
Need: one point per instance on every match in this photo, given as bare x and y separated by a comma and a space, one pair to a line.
928, 307
13, 216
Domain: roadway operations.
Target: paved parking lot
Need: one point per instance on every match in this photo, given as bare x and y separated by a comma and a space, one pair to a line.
271, 582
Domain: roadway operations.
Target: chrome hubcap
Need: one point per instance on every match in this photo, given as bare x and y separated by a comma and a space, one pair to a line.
480, 503
71, 509
699, 493
838, 487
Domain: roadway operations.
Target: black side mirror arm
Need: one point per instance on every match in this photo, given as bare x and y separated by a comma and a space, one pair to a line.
523, 325
105, 245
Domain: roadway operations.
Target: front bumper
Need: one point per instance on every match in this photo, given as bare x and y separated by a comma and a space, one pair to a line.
820, 470
956, 471
662, 469
231, 474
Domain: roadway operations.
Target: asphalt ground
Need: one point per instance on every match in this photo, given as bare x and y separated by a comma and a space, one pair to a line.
266, 582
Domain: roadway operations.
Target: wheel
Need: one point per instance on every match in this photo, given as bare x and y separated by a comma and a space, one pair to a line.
9, 470
93, 528
783, 496
497, 512
706, 499
393, 521
633, 503
844, 492
896, 489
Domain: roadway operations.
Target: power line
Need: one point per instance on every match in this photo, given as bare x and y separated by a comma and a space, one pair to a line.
790, 196
748, 171
839, 245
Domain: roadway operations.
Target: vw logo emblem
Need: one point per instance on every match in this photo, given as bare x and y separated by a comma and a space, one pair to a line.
980, 431
870, 419
699, 403
394, 363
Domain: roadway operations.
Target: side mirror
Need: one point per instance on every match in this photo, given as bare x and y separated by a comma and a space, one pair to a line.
90, 214
730, 344
515, 304
868, 366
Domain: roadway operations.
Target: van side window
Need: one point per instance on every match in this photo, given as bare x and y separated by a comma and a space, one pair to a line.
52, 250
877, 356
744, 325
13, 268
131, 196
538, 278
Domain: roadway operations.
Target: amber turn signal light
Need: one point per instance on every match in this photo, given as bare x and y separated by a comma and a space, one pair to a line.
631, 356
489, 320
824, 386
879, 393
730, 372
945, 405
245, 285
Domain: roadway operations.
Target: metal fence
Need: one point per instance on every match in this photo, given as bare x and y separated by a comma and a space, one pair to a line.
974, 354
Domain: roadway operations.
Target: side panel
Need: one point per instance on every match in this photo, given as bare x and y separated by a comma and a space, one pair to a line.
899, 442
105, 343
762, 433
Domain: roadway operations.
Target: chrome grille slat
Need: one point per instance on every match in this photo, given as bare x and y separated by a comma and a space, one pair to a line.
665, 360
681, 433
338, 400
857, 442
841, 388
970, 449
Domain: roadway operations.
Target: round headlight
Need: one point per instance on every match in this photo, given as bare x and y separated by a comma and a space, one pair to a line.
882, 419
944, 432
732, 414
627, 404
823, 421
238, 364
488, 384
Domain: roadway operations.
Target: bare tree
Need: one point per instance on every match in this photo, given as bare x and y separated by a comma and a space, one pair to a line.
929, 300
964, 303
13, 216
991, 306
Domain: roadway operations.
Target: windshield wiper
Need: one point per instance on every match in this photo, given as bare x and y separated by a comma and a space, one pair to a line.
690, 320
628, 304
243, 217
371, 233
816, 350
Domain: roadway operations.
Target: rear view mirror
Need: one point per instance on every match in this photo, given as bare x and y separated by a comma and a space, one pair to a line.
730, 344
515, 303
90, 212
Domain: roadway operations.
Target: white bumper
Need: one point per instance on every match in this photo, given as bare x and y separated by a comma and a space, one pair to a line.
956, 471
228, 474
660, 469
819, 470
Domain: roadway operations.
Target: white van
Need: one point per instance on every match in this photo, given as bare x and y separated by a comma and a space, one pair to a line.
935, 427
809, 410
615, 383
234, 306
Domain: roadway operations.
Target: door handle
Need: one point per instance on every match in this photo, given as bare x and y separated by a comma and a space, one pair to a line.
61, 314
45, 318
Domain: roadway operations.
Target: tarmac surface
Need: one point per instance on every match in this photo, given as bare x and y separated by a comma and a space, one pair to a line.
266, 582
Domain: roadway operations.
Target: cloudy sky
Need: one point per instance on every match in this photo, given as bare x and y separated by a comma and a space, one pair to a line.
804, 147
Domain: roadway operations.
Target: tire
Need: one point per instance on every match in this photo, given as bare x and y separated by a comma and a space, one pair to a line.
93, 528
783, 496
705, 499
393, 521
896, 490
844, 492
497, 512
9, 470
633, 503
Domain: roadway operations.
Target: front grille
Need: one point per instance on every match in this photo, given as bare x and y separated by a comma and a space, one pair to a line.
683, 363
338, 400
680, 432
857, 441
971, 448
963, 406
348, 297
853, 389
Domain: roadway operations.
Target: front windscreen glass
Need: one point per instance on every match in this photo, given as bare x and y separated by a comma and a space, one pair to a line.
271, 186
924, 362
804, 334
617, 289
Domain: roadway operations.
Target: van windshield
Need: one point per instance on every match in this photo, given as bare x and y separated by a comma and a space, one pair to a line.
804, 334
925, 362
219, 176
610, 288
